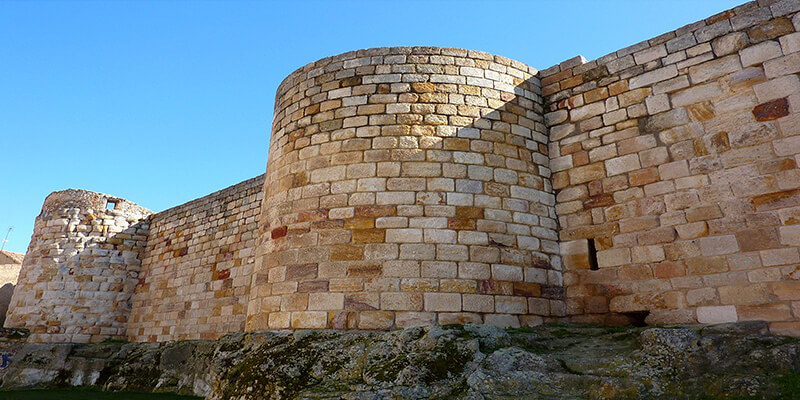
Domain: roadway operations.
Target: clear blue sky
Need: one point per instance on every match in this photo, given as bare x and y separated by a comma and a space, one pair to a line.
163, 102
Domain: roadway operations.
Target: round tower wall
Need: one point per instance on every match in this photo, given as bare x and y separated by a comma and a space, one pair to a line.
80, 269
407, 186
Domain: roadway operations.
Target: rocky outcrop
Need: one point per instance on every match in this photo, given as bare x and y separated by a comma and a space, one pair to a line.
453, 362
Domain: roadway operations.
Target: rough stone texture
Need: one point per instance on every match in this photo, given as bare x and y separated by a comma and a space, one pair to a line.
196, 267
692, 214
421, 185
398, 172
81, 268
469, 362
10, 264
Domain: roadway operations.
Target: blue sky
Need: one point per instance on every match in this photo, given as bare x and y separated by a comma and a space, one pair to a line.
163, 102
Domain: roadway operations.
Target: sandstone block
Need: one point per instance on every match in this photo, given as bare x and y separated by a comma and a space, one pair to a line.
375, 320
716, 314
442, 302
309, 320
714, 69
777, 88
502, 321
785, 65
649, 78
613, 257
409, 319
401, 301
326, 301
620, 165
729, 43
478, 303
759, 53
719, 245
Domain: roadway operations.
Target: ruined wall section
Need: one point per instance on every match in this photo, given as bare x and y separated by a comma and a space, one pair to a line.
80, 269
677, 159
407, 186
196, 270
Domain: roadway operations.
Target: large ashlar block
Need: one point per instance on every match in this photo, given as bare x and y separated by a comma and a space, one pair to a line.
716, 314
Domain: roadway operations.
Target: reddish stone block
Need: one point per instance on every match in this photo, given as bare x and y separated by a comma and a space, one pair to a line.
312, 286
603, 200
758, 239
301, 272
278, 233
669, 269
643, 176
771, 110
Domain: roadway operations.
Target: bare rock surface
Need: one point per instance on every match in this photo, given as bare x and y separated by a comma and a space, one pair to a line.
453, 362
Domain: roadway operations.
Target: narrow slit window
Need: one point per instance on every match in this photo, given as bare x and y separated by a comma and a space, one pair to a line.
111, 205
593, 256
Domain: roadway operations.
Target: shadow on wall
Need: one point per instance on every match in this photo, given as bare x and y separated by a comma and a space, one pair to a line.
6, 291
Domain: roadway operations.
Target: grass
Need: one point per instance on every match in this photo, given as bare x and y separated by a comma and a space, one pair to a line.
87, 394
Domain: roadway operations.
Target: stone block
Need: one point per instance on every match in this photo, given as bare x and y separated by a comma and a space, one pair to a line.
459, 318
309, 320
613, 257
649, 78
502, 321
325, 301
620, 165
759, 53
777, 88
401, 301
716, 314
376, 320
714, 69
442, 302
410, 319
719, 245
785, 65
729, 43
478, 303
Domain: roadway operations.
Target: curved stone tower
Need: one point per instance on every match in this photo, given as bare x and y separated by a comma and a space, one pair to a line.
80, 269
407, 186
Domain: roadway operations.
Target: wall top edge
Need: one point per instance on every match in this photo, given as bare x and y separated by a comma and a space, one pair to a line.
86, 199
400, 51
189, 204
737, 18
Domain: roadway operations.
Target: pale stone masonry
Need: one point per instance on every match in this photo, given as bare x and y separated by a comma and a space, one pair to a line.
407, 186
678, 158
422, 185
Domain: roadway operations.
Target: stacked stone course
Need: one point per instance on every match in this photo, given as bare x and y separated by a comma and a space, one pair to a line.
424, 185
407, 186
196, 269
677, 157
81, 268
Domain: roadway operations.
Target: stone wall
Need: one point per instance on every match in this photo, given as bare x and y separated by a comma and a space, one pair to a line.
10, 264
80, 269
407, 186
196, 269
676, 159
422, 185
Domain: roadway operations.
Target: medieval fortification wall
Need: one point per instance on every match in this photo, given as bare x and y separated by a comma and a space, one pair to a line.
422, 185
